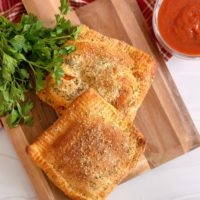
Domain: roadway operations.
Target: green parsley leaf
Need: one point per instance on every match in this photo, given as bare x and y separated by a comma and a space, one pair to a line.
17, 93
13, 118
9, 65
67, 49
57, 74
39, 80
6, 95
27, 108
64, 7
18, 42
28, 120
23, 73
24, 112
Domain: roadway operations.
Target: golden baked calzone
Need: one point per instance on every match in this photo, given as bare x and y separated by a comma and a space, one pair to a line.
89, 149
120, 73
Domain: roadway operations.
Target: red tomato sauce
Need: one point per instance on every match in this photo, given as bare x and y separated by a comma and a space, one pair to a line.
179, 25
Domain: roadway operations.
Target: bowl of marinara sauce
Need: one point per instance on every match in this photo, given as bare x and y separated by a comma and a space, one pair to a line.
176, 24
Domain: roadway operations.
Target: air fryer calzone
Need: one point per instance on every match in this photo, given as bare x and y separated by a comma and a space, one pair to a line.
89, 149
119, 72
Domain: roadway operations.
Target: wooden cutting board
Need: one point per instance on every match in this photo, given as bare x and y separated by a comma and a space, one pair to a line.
162, 117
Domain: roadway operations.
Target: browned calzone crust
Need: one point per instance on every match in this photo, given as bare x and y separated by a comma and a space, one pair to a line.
89, 149
119, 72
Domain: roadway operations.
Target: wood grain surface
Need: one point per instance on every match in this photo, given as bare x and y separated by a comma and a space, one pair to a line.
162, 117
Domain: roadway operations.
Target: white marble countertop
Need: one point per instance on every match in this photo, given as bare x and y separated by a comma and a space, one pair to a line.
176, 180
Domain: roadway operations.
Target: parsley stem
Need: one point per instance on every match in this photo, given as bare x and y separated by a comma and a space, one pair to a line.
19, 79
58, 38
31, 66
34, 64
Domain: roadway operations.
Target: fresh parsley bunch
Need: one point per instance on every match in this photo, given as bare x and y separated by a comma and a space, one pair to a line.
29, 49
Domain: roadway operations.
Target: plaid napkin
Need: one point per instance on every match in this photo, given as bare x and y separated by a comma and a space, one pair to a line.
78, 3
147, 7
13, 9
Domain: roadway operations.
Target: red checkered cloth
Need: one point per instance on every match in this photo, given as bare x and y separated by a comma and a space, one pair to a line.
147, 7
13, 9
78, 3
